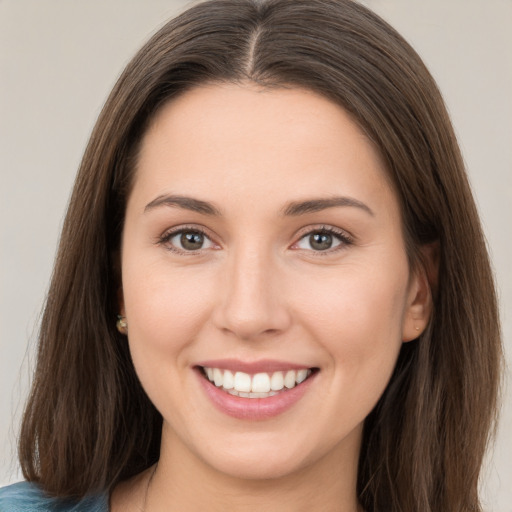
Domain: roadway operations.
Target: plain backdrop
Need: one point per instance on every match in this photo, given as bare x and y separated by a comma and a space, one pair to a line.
60, 58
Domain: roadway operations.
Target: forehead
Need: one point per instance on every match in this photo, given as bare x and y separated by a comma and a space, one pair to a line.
247, 141
221, 112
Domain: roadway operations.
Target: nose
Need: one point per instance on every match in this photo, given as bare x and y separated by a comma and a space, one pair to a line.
253, 302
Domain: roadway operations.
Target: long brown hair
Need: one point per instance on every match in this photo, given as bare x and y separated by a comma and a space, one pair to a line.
89, 424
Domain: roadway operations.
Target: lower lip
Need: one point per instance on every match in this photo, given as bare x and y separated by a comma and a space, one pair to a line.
254, 409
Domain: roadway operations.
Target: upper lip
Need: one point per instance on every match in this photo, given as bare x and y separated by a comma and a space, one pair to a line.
252, 367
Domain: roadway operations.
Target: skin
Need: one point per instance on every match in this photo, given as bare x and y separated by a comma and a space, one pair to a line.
258, 290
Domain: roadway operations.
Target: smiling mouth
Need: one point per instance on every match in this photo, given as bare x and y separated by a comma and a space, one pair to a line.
258, 385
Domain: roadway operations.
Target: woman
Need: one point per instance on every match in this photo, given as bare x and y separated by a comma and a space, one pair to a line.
272, 288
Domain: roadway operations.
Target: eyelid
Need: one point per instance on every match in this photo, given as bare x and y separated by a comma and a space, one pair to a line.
168, 234
345, 238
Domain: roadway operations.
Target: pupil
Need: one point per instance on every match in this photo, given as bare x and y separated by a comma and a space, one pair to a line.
191, 241
320, 241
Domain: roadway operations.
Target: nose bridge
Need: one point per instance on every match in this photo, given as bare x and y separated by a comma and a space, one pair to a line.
252, 302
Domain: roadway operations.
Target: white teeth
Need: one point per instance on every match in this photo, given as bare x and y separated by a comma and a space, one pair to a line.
289, 379
251, 395
242, 382
218, 377
260, 385
259, 395
229, 380
301, 376
277, 381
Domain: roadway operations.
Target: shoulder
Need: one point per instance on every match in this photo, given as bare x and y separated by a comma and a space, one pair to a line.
28, 497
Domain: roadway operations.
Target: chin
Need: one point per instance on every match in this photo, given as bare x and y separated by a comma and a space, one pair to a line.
258, 457
264, 466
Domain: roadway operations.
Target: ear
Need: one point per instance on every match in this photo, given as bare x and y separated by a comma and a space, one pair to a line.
419, 299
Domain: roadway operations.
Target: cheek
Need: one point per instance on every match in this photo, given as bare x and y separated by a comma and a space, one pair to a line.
357, 316
165, 308
355, 300
165, 312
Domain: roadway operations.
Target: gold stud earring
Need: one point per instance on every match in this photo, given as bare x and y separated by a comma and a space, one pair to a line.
122, 324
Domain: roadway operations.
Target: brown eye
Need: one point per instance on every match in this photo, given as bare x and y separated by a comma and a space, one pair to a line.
322, 240
189, 241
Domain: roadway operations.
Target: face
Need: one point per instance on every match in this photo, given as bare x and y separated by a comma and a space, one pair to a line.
264, 279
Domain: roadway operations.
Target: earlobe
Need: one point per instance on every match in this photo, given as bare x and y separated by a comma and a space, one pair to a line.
419, 307
122, 325
420, 302
418, 312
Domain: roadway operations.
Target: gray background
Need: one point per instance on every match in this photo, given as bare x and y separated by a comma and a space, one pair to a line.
60, 58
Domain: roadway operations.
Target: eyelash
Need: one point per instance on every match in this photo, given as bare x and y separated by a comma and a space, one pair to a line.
344, 239
168, 235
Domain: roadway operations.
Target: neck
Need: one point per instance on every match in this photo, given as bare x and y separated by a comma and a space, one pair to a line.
183, 481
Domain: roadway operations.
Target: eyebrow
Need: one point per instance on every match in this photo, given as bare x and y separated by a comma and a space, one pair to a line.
188, 203
317, 205
293, 209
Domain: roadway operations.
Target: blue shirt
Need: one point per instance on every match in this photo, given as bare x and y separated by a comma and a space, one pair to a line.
28, 497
